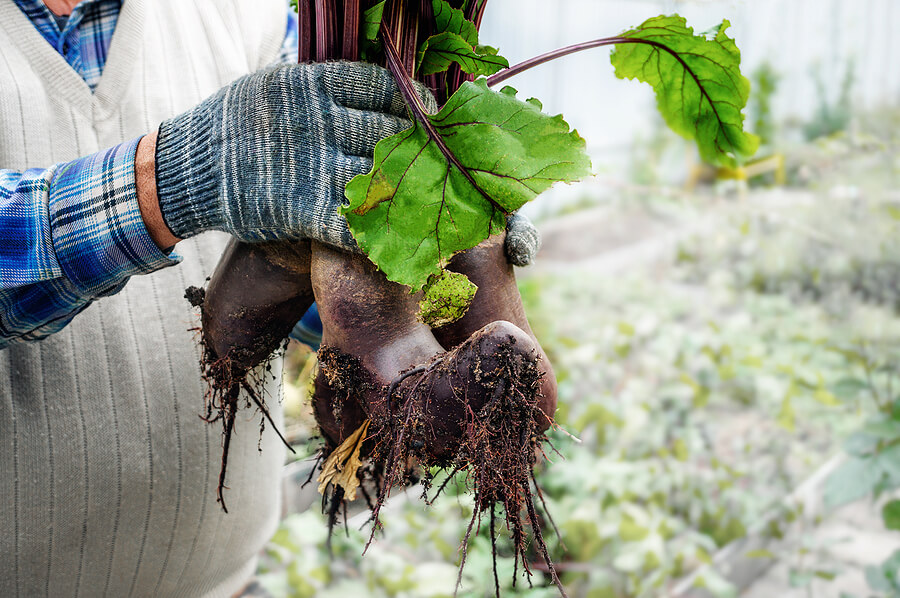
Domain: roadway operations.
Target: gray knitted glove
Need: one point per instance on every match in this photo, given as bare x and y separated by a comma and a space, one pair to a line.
523, 240
268, 156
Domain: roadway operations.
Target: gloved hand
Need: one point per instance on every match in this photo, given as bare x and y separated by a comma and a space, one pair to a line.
268, 156
523, 240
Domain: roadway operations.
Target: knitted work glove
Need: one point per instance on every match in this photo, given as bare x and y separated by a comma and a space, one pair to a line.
523, 240
268, 156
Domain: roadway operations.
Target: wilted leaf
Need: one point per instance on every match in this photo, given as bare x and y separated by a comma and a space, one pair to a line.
342, 464
415, 209
447, 297
699, 90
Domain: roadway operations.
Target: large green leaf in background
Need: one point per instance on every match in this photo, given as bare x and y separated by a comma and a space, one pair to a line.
415, 210
700, 90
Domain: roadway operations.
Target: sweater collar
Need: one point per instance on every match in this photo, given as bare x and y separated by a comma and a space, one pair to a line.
58, 75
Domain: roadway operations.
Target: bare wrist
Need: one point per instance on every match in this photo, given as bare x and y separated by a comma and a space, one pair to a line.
145, 179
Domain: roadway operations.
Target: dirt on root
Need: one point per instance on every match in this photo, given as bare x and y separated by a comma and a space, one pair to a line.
497, 449
226, 376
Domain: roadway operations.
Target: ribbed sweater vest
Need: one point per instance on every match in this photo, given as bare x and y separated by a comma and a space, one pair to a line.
107, 474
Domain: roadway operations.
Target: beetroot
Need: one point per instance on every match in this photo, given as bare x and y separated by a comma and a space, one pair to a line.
474, 396
247, 311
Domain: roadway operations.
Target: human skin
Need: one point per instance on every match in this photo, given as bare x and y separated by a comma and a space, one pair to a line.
145, 165
61, 7
145, 179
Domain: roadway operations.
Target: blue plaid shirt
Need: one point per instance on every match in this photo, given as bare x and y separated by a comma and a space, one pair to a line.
73, 232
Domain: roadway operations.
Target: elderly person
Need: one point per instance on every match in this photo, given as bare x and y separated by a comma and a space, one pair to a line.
109, 474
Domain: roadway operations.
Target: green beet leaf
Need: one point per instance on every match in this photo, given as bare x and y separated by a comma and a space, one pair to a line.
371, 21
446, 298
699, 87
415, 209
438, 52
370, 46
456, 40
891, 514
453, 20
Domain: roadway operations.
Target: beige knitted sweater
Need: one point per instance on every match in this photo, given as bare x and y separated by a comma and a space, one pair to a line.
107, 474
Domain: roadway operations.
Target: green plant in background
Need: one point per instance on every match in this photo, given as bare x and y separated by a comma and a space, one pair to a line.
765, 83
841, 256
831, 117
872, 468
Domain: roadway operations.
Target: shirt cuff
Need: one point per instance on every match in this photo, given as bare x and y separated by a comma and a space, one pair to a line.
98, 233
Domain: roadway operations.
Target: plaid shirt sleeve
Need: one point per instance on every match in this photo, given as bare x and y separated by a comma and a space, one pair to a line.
289, 51
71, 233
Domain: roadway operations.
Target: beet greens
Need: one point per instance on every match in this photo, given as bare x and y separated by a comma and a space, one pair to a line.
448, 183
469, 186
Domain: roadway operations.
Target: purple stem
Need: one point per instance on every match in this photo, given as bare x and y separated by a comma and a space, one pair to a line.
351, 30
304, 33
409, 34
321, 31
553, 55
597, 43
405, 83
335, 19
605, 41
479, 15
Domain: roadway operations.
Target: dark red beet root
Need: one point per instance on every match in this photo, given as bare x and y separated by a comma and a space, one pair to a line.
254, 298
497, 298
370, 336
478, 406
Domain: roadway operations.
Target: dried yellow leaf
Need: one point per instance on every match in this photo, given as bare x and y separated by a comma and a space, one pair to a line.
342, 464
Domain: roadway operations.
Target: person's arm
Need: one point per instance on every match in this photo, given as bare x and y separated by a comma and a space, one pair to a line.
148, 201
250, 160
69, 234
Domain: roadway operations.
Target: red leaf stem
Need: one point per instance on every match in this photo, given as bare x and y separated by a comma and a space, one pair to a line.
597, 43
322, 31
351, 30
405, 83
304, 31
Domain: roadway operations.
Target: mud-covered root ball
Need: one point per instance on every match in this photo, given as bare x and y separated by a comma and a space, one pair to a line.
478, 401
